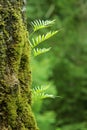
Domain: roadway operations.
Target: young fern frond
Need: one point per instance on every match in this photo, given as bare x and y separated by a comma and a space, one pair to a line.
39, 93
38, 51
40, 89
39, 24
35, 41
39, 39
43, 96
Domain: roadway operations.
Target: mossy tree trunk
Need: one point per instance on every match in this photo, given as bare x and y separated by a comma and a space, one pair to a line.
15, 73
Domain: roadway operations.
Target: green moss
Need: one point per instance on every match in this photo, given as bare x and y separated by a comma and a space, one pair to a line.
12, 111
15, 73
26, 116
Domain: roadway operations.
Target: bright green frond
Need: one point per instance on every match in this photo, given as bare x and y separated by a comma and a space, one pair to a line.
39, 24
39, 93
37, 51
47, 96
39, 39
40, 89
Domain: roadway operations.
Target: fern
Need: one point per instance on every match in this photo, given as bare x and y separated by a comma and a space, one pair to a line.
39, 39
38, 51
39, 24
40, 89
35, 41
39, 93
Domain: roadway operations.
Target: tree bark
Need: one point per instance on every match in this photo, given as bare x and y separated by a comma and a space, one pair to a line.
15, 73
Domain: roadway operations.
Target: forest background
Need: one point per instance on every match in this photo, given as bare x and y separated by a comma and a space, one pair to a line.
64, 67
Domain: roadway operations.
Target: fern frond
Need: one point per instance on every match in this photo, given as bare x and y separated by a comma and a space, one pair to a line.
40, 89
39, 24
39, 93
39, 39
37, 51
39, 96
43, 96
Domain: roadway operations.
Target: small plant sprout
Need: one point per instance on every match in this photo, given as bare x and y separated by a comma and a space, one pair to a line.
40, 92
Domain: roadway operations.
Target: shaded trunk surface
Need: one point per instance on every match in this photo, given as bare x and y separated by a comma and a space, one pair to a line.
15, 73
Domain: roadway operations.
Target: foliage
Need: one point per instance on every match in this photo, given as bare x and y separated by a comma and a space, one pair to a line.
76, 126
42, 38
37, 25
40, 93
47, 118
68, 60
40, 75
69, 72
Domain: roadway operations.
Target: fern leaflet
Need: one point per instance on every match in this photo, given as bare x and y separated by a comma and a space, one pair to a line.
39, 39
39, 93
37, 51
39, 24
40, 89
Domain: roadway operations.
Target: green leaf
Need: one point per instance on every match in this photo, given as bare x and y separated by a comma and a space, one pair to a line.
39, 93
39, 24
37, 51
40, 89
39, 39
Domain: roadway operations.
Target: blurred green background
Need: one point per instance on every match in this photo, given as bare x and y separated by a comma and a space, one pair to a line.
64, 67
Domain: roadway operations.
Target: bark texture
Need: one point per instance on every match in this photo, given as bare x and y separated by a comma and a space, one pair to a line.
15, 73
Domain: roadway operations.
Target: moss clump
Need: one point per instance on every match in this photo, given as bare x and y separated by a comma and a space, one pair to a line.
12, 111
25, 114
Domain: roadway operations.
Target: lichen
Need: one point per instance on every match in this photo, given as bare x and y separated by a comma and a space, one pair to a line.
15, 73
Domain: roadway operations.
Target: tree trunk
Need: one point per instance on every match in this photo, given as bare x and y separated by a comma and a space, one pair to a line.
15, 73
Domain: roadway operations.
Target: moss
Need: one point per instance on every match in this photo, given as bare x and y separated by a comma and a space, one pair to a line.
26, 117
15, 73
12, 111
